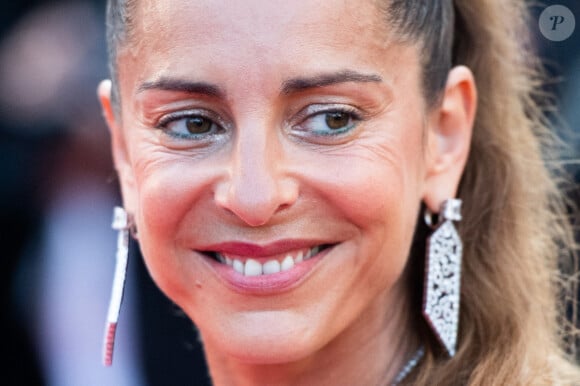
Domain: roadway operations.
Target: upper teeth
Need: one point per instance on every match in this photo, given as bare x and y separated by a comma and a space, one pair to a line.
252, 267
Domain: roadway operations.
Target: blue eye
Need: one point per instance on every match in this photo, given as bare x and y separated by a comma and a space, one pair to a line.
188, 125
331, 122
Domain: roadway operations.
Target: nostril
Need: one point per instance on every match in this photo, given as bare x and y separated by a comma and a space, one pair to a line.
256, 196
254, 209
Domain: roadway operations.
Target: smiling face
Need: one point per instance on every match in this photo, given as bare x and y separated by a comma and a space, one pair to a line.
275, 155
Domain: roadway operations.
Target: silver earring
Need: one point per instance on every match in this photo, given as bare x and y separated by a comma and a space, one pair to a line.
121, 223
443, 275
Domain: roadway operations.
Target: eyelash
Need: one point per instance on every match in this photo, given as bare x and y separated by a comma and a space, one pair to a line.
309, 115
216, 127
322, 111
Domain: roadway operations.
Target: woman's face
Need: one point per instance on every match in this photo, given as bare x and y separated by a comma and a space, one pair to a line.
274, 156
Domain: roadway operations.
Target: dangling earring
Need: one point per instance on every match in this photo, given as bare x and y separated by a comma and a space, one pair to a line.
122, 223
443, 275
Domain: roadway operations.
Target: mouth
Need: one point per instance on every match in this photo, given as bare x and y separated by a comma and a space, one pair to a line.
269, 265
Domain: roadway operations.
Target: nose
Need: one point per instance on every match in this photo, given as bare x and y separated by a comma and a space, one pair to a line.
258, 184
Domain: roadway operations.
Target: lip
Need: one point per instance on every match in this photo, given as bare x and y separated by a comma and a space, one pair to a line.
264, 285
241, 248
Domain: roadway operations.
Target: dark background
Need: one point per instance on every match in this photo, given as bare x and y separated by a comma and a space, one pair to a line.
56, 199
57, 193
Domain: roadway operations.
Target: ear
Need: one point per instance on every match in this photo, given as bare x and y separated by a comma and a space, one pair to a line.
119, 147
449, 138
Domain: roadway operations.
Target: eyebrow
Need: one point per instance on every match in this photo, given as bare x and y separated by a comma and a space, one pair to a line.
289, 86
321, 80
182, 85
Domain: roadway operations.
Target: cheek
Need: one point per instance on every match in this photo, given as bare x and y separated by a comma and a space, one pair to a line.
169, 189
378, 188
374, 184
169, 183
166, 190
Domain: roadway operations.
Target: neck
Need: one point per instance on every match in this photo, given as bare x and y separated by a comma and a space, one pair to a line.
370, 352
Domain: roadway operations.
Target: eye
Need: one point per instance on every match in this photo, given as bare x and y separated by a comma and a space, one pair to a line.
189, 125
328, 121
198, 125
337, 120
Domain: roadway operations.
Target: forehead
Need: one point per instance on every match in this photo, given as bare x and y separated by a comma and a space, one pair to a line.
253, 18
259, 40
262, 24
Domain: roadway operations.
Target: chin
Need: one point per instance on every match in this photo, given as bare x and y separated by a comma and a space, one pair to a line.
272, 340
267, 352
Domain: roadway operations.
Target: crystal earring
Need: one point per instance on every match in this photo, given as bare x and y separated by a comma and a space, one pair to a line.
443, 275
122, 223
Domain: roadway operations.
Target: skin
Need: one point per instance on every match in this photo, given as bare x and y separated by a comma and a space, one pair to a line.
266, 175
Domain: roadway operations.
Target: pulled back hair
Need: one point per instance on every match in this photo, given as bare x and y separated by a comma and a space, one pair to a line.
119, 23
515, 229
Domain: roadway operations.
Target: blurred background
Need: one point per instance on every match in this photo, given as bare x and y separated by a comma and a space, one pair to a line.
58, 190
57, 194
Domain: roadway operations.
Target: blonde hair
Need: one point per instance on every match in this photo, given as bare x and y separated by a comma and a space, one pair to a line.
515, 229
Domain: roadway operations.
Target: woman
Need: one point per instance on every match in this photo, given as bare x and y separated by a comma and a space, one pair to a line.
278, 158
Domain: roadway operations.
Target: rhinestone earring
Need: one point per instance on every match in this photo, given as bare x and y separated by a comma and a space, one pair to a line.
443, 275
122, 223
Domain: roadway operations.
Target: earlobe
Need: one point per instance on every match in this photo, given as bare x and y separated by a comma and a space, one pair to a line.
118, 144
449, 138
